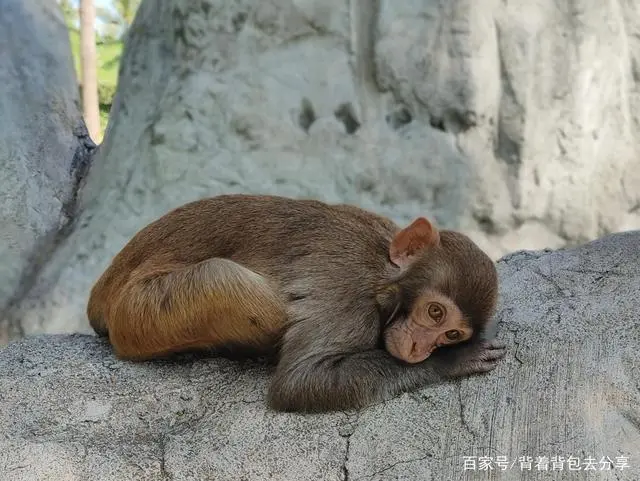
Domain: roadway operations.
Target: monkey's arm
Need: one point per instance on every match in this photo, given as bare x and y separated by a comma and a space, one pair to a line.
310, 382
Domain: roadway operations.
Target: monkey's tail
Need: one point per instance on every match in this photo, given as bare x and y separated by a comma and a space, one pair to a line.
211, 304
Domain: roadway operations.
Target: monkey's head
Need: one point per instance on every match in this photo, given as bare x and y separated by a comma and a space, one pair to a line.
444, 293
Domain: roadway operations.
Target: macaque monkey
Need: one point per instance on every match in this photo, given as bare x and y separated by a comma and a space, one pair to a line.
357, 309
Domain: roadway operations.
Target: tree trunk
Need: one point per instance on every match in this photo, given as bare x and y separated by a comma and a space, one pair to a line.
89, 68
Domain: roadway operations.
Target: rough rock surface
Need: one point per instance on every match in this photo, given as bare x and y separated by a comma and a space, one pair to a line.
568, 387
43, 143
514, 121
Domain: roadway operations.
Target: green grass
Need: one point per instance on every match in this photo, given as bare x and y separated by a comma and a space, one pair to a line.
108, 64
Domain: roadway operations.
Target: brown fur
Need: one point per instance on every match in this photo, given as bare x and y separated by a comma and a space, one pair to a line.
178, 283
261, 271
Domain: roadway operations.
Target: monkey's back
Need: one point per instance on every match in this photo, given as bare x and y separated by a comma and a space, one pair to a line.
298, 244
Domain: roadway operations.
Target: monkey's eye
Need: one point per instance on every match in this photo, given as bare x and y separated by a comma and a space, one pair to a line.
453, 335
436, 312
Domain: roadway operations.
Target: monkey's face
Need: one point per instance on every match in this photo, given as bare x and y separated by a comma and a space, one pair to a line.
434, 268
432, 321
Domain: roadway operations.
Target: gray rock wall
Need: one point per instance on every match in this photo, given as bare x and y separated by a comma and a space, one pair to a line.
514, 122
43, 143
568, 387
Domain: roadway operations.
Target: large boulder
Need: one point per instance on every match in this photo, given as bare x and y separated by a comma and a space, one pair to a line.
44, 145
504, 119
568, 388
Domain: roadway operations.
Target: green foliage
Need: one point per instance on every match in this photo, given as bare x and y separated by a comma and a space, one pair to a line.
104, 118
109, 53
70, 13
106, 93
117, 20
113, 23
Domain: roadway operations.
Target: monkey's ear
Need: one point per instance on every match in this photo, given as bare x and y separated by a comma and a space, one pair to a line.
413, 239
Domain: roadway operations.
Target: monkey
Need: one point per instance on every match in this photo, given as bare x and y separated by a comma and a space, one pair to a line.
357, 309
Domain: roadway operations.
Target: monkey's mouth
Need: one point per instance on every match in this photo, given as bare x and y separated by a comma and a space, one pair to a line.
419, 353
408, 347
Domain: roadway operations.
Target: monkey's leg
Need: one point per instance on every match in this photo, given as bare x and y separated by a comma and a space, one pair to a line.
212, 304
95, 308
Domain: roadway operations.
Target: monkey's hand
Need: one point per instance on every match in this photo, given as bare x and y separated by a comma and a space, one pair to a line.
468, 359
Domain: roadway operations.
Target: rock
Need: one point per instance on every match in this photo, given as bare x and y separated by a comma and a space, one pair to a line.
43, 142
502, 119
568, 387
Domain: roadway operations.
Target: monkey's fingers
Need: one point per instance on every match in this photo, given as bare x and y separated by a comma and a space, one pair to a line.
492, 351
482, 367
494, 344
476, 367
483, 358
